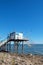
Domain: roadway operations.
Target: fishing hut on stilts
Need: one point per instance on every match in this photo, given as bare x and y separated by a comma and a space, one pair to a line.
17, 38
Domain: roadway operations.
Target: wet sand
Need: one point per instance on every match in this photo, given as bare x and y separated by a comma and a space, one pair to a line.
17, 59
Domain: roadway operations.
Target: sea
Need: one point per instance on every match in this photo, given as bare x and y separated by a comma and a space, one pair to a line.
28, 49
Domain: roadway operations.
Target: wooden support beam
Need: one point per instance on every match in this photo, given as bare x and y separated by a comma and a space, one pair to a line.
10, 46
22, 47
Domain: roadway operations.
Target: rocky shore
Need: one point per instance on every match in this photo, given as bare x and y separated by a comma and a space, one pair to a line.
17, 59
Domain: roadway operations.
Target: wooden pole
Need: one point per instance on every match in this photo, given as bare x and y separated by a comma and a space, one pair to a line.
17, 46
22, 47
7, 47
10, 46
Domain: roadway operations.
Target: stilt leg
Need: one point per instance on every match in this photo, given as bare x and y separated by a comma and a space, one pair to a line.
7, 47
10, 46
22, 47
17, 47
14, 47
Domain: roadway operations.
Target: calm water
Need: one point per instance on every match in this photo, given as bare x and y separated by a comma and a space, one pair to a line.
34, 49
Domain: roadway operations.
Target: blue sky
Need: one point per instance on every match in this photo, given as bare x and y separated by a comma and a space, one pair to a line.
22, 16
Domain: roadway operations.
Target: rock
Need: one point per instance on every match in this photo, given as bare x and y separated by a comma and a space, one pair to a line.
14, 59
